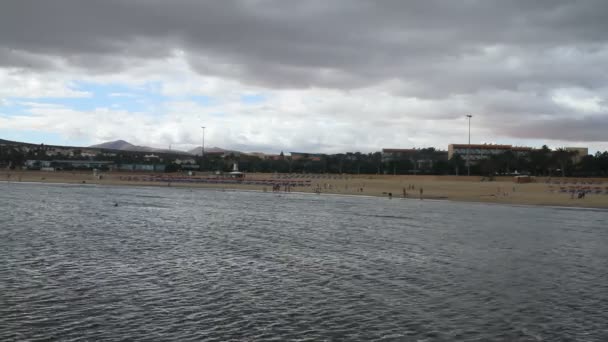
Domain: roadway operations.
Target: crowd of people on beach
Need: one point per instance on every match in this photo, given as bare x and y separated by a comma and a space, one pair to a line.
412, 187
577, 188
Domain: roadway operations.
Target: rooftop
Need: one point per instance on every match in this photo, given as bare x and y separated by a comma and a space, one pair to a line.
482, 146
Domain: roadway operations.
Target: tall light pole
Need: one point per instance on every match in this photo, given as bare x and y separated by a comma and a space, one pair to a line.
469, 146
203, 150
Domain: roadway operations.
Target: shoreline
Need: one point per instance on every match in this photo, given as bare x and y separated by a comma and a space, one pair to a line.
202, 188
436, 188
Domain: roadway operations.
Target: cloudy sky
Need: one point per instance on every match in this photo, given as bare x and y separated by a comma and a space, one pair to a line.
315, 75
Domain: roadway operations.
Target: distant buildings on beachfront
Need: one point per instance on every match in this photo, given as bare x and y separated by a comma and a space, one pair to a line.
304, 155
477, 152
578, 153
388, 160
420, 158
427, 157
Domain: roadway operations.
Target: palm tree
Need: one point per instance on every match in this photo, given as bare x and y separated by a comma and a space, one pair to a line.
539, 160
457, 163
508, 159
563, 158
490, 165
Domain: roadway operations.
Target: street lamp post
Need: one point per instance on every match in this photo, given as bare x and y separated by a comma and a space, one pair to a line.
469, 146
203, 150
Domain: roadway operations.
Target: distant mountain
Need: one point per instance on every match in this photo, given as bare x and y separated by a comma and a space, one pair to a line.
122, 145
197, 150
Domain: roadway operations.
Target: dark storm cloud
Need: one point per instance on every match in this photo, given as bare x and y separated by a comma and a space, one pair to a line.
264, 39
567, 129
435, 49
22, 59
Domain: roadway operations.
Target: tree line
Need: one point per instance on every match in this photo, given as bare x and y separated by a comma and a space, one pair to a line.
539, 162
546, 162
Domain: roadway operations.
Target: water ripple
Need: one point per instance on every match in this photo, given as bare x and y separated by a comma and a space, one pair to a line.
168, 264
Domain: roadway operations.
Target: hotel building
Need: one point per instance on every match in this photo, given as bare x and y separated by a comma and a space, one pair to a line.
477, 152
578, 153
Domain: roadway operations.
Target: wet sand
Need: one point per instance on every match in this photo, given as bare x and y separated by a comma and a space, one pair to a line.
454, 188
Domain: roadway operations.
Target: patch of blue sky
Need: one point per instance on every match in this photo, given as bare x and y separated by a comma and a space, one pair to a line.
38, 137
12, 108
145, 98
253, 98
203, 100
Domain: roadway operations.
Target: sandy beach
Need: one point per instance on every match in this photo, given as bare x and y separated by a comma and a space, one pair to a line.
550, 192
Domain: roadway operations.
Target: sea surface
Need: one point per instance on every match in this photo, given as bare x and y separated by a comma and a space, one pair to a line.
174, 264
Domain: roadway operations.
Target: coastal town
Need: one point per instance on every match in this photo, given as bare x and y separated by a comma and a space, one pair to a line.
343, 170
490, 173
459, 159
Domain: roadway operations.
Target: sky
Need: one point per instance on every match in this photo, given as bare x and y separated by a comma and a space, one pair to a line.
312, 76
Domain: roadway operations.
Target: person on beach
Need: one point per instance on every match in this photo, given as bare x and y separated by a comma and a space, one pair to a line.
404, 193
421, 191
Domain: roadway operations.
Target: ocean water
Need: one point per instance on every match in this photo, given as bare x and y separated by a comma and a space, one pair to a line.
170, 264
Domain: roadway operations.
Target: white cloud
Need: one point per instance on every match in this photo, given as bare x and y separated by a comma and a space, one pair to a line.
17, 83
580, 100
309, 119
